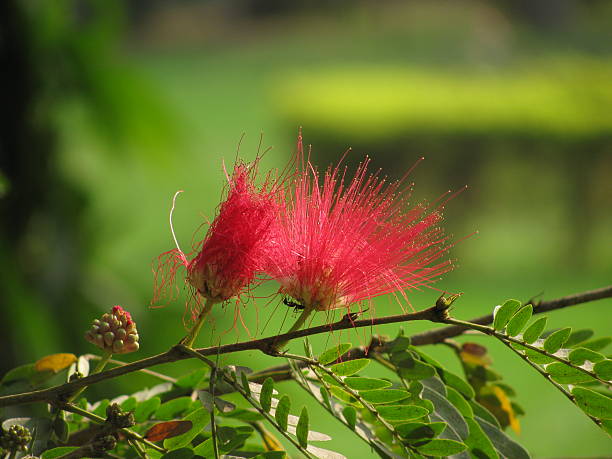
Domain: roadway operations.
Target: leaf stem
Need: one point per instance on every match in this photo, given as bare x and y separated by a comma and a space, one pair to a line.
195, 330
562, 389
98, 368
248, 398
352, 392
505, 339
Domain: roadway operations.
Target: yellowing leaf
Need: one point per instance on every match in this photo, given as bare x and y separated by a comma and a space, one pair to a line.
497, 402
507, 407
271, 443
55, 362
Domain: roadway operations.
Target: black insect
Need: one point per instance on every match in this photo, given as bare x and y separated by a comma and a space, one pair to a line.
293, 304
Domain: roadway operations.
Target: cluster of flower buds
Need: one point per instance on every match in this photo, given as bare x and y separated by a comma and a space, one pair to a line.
103, 442
117, 418
16, 438
114, 332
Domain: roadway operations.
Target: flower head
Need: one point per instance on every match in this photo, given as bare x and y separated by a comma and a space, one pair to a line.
342, 241
114, 332
229, 257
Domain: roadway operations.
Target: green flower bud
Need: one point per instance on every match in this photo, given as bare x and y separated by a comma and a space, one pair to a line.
114, 332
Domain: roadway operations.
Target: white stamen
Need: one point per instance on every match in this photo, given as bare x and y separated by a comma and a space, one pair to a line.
171, 224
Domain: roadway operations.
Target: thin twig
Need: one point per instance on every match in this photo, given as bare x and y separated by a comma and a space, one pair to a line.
247, 397
509, 339
440, 334
562, 389
267, 344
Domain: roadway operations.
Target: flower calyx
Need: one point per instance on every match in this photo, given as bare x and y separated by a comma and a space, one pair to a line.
115, 332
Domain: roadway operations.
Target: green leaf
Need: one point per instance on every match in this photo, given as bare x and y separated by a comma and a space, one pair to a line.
349, 367
565, 374
334, 353
401, 412
100, 407
191, 380
593, 403
199, 419
577, 337
308, 348
57, 452
456, 382
534, 331
459, 402
399, 344
22, 372
207, 400
344, 396
581, 354
412, 369
379, 396
598, 344
282, 411
519, 320
265, 398
245, 383
173, 408
231, 438
537, 357
301, 430
361, 383
272, 455
244, 415
603, 369
414, 431
504, 313
145, 409
328, 379
129, 404
182, 453
447, 412
606, 425
441, 448
325, 396
61, 429
479, 445
483, 413
502, 442
436, 384
555, 341
350, 415
204, 449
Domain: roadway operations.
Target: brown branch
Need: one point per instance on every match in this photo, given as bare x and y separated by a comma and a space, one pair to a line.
266, 345
440, 334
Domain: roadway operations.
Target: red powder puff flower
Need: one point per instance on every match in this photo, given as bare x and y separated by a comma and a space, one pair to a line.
340, 242
229, 257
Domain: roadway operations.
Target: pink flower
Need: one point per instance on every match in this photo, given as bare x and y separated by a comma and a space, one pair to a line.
342, 241
229, 257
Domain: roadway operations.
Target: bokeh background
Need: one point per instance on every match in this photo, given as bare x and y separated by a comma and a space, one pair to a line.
110, 107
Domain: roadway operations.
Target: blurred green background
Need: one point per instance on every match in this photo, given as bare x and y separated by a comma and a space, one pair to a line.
112, 106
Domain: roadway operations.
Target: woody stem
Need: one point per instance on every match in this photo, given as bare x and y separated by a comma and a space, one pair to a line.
301, 320
195, 330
